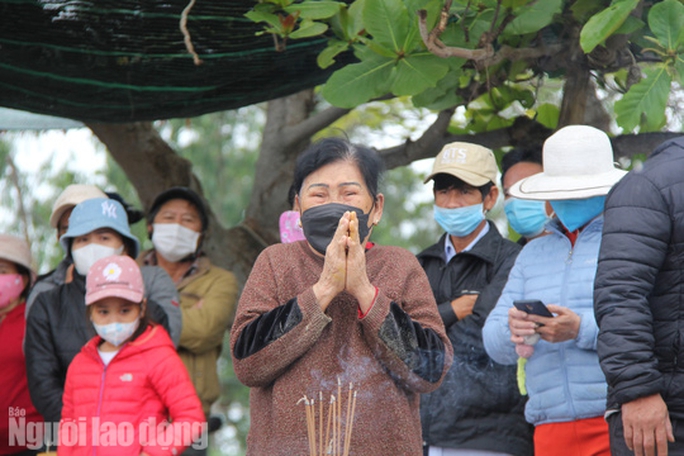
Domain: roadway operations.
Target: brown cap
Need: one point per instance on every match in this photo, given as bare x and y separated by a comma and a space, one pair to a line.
473, 164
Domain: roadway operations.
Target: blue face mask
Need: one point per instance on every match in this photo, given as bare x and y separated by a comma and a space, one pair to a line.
460, 221
526, 217
574, 214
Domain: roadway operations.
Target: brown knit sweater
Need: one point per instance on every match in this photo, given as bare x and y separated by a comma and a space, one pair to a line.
322, 347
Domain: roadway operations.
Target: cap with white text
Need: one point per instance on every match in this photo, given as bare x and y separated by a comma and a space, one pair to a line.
473, 164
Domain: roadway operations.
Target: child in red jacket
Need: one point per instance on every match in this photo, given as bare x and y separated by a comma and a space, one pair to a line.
127, 392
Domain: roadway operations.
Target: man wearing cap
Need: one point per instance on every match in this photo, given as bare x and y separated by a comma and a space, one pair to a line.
59, 219
564, 382
177, 223
477, 409
639, 305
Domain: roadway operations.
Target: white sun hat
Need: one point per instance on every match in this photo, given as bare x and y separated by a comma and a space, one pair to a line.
578, 164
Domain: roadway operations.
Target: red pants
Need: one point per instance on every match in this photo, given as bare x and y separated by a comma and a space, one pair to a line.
588, 437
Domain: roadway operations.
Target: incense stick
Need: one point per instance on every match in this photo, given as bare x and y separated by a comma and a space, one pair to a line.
320, 424
337, 438
310, 424
328, 443
347, 424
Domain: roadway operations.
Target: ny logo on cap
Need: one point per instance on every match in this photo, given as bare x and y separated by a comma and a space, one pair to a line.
108, 209
455, 155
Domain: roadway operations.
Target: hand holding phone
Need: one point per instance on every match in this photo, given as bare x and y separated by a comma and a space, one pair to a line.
533, 306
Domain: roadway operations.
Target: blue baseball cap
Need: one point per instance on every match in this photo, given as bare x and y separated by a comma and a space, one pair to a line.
97, 213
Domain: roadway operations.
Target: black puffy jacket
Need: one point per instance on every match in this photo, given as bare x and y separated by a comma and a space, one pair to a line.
478, 405
639, 286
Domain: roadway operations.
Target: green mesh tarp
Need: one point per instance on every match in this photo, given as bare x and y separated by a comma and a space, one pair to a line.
120, 61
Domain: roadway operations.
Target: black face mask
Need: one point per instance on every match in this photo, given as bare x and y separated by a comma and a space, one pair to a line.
319, 224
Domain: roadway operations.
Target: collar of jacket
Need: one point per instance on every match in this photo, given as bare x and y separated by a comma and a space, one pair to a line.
555, 227
485, 249
198, 268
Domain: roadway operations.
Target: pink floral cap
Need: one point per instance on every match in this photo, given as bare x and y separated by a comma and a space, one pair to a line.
116, 276
290, 229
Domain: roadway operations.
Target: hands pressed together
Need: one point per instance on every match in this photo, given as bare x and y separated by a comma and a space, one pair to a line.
344, 268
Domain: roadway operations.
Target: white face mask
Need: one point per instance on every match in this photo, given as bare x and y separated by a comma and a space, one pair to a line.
117, 333
173, 241
89, 254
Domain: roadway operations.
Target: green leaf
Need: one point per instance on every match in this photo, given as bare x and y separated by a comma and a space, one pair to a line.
308, 28
327, 55
666, 21
631, 25
582, 10
644, 104
355, 24
442, 96
312, 9
679, 69
604, 24
514, 3
498, 123
416, 73
262, 16
359, 82
548, 115
387, 21
535, 17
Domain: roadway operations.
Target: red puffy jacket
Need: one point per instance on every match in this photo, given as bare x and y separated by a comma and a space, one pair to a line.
125, 407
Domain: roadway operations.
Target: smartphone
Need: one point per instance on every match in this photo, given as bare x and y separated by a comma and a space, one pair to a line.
533, 306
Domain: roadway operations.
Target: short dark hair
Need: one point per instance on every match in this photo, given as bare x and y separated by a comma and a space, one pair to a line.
520, 155
25, 272
444, 181
332, 150
183, 193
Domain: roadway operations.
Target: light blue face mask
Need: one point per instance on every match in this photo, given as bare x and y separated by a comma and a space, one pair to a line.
460, 221
526, 217
574, 214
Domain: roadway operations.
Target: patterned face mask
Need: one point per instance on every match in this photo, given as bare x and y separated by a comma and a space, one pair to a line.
11, 286
117, 333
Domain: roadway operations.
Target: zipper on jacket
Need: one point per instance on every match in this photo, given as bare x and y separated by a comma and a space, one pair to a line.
561, 348
99, 406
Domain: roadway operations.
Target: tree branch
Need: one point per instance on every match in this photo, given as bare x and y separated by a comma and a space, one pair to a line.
431, 140
438, 48
626, 146
484, 57
523, 131
296, 133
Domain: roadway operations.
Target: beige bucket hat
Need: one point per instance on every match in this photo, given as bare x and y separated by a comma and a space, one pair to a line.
70, 197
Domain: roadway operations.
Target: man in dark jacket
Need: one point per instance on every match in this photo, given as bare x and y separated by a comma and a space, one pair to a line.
639, 304
478, 406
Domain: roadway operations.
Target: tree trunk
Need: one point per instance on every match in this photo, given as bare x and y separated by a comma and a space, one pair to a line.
152, 166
